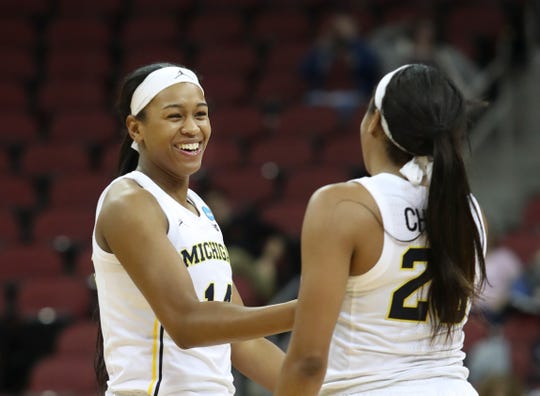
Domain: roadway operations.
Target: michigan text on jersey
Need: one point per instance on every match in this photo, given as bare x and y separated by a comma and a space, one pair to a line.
204, 251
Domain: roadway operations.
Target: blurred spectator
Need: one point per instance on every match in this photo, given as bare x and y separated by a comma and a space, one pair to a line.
503, 268
341, 68
419, 41
500, 385
525, 291
259, 253
489, 357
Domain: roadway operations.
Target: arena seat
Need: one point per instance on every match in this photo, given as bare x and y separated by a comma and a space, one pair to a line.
64, 375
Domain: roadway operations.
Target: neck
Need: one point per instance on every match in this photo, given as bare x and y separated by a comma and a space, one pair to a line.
176, 187
384, 166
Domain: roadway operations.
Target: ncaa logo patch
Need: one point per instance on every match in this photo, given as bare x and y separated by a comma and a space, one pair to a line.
208, 213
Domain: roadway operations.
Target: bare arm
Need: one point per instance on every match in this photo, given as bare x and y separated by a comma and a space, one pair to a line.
258, 359
329, 236
132, 225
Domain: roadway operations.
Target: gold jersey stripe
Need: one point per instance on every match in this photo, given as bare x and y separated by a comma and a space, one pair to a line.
154, 357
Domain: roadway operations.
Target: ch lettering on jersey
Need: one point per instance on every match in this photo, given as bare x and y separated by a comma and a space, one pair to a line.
415, 219
204, 251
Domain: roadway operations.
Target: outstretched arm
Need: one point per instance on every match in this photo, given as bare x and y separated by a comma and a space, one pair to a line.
132, 225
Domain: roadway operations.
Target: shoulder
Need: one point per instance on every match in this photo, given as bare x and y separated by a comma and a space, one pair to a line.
338, 193
127, 192
127, 199
347, 202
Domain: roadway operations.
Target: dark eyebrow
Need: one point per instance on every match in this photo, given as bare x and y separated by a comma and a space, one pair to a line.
173, 105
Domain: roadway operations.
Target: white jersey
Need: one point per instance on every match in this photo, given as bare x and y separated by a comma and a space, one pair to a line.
382, 340
140, 356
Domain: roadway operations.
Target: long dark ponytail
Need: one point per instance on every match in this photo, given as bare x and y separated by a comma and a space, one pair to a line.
427, 115
127, 162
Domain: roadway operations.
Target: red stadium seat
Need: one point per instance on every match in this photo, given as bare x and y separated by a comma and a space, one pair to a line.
531, 214
165, 8
476, 329
18, 128
466, 24
237, 122
17, 192
525, 243
77, 191
364, 18
345, 150
67, 297
5, 162
78, 63
236, 5
66, 225
17, 33
279, 89
215, 27
14, 97
78, 339
64, 375
72, 94
301, 184
224, 90
23, 261
109, 160
105, 9
287, 5
232, 60
286, 57
523, 333
84, 267
286, 151
135, 58
243, 187
247, 291
287, 216
18, 64
221, 152
149, 30
32, 8
522, 328
473, 19
402, 14
88, 32
54, 159
306, 120
10, 231
279, 25
93, 126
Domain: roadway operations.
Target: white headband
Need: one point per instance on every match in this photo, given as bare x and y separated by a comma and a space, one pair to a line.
379, 95
157, 81
419, 167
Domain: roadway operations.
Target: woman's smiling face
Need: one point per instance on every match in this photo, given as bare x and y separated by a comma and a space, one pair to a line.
175, 131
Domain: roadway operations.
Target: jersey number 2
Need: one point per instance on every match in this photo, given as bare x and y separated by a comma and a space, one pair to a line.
209, 293
398, 308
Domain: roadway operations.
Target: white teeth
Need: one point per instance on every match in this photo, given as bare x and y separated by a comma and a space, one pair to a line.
189, 146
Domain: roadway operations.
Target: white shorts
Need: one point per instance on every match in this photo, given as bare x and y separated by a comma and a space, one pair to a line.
431, 387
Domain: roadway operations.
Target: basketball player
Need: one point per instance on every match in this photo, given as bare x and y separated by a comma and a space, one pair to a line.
171, 317
391, 262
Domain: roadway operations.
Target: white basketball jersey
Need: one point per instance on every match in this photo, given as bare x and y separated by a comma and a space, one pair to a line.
140, 356
383, 334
